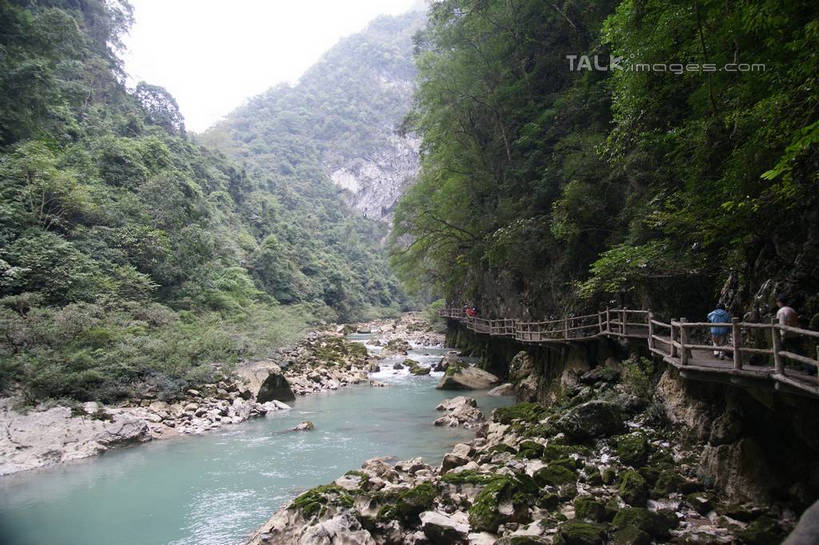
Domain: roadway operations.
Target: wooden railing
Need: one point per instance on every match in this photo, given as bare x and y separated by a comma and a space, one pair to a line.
752, 350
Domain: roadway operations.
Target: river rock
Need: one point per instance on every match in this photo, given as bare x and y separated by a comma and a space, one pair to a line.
443, 529
45, 437
460, 411
304, 426
468, 378
263, 381
503, 390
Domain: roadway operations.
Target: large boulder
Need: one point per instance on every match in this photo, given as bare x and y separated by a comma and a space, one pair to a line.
460, 411
263, 381
524, 376
591, 420
442, 529
468, 378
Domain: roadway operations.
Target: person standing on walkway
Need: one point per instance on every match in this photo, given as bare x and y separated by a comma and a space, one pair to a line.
719, 334
788, 317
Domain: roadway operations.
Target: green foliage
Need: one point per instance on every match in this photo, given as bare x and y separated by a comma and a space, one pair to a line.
528, 412
108, 208
549, 189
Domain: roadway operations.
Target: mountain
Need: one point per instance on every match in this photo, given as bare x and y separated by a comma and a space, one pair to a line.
340, 120
134, 261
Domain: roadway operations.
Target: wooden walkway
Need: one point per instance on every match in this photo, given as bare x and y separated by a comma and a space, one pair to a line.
754, 352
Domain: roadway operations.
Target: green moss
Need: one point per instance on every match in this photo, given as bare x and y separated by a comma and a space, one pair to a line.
587, 508
527, 412
554, 451
316, 500
413, 501
364, 478
633, 449
633, 488
654, 524
503, 447
668, 481
700, 502
468, 477
386, 513
762, 531
630, 536
530, 449
520, 490
575, 532
554, 475
609, 475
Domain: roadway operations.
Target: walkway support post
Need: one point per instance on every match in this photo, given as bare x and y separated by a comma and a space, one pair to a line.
650, 331
683, 341
779, 366
736, 342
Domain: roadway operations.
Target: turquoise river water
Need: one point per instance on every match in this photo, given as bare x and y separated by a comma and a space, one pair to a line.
216, 488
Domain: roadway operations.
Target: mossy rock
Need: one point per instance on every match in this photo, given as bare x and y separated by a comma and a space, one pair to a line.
537, 430
567, 492
521, 540
548, 501
316, 500
530, 449
554, 475
650, 474
554, 451
468, 477
633, 488
503, 447
668, 481
609, 475
519, 490
633, 449
414, 501
587, 508
762, 531
575, 532
527, 412
630, 536
654, 524
701, 502
420, 370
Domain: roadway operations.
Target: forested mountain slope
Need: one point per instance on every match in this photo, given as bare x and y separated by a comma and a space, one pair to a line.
133, 258
341, 119
545, 189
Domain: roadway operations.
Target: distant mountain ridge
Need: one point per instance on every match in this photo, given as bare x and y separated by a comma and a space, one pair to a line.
342, 117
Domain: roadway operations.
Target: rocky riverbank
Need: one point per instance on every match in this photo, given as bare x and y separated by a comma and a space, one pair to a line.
43, 435
323, 361
601, 464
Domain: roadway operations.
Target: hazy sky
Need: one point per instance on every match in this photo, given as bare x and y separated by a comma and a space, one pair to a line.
213, 54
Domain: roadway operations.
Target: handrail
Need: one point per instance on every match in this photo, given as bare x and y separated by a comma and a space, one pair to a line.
679, 348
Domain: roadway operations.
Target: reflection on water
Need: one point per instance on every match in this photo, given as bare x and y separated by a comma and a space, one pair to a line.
214, 489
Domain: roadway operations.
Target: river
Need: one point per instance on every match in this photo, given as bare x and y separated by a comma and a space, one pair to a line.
216, 488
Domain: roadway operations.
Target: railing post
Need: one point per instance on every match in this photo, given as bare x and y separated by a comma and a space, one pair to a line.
650, 332
671, 334
566, 328
608, 320
600, 321
736, 341
623, 328
683, 341
779, 366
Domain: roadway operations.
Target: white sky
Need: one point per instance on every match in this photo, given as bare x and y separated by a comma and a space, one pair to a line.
213, 54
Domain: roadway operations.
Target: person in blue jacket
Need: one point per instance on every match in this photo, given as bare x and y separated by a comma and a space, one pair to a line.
719, 335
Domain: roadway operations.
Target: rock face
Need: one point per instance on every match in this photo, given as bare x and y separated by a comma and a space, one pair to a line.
524, 377
42, 438
468, 378
264, 382
459, 411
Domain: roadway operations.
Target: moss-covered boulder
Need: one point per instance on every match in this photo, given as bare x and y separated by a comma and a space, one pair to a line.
654, 524
701, 502
633, 449
591, 420
413, 501
530, 449
576, 532
317, 500
630, 536
633, 488
668, 481
554, 474
588, 508
416, 368
504, 499
762, 531
527, 412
